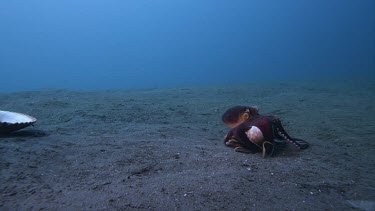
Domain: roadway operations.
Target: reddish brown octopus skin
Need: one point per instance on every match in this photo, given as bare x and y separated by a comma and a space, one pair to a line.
242, 118
238, 114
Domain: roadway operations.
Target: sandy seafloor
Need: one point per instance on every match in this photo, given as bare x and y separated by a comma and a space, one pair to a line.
162, 149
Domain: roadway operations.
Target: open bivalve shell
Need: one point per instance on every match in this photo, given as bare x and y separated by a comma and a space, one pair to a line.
12, 121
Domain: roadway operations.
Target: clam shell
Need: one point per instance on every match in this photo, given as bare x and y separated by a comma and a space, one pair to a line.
255, 135
12, 121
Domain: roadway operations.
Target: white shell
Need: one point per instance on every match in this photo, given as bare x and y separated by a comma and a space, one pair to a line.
12, 121
255, 135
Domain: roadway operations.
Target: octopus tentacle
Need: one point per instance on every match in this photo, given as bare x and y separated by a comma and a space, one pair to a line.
243, 150
267, 149
281, 133
289, 140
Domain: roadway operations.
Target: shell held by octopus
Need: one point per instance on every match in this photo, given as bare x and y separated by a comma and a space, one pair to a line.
12, 121
255, 135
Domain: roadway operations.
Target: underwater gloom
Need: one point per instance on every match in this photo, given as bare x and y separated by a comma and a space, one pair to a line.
187, 105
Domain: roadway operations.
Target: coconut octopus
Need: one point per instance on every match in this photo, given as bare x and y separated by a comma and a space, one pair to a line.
251, 132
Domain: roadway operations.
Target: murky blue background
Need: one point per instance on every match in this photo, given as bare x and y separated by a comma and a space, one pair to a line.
122, 44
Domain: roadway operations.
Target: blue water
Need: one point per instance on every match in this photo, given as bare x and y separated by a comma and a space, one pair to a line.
121, 44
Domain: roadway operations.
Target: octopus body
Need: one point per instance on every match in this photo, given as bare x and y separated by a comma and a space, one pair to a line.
252, 132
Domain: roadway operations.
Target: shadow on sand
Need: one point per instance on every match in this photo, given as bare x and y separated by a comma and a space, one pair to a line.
24, 133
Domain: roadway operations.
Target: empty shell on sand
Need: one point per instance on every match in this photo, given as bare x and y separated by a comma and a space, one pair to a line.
12, 121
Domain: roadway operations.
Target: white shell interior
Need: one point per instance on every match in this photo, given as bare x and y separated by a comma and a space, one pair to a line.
14, 118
